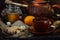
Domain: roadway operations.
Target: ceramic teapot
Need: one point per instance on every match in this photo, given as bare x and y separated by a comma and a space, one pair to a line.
38, 9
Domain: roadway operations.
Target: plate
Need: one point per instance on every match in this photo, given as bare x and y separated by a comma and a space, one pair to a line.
51, 30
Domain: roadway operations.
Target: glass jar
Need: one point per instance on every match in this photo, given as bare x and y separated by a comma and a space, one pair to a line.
11, 13
14, 12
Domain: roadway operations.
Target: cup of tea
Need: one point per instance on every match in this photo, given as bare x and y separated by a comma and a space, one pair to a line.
41, 25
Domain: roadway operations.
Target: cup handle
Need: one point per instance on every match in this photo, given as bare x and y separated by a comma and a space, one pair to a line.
53, 26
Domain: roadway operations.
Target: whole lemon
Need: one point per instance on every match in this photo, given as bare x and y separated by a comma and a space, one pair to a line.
28, 20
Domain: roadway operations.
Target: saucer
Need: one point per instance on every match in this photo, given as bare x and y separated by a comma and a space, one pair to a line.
31, 29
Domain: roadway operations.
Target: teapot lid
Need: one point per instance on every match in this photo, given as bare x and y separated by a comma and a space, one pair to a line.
39, 1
